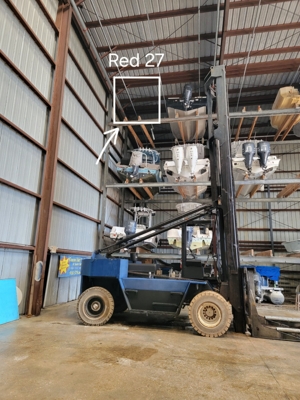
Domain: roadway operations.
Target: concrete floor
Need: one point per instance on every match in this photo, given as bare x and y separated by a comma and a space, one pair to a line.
55, 357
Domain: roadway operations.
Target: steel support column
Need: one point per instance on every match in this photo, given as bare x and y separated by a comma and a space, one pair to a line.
122, 193
35, 299
104, 175
270, 222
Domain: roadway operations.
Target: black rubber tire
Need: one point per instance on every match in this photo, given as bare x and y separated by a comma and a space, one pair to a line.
95, 306
210, 314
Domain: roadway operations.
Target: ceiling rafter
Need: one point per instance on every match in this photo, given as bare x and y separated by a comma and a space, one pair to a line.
152, 16
232, 71
203, 36
263, 29
174, 13
159, 42
207, 59
183, 61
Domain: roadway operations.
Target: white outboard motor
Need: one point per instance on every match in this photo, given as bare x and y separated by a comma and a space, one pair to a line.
248, 151
136, 160
274, 296
178, 157
264, 292
263, 152
191, 155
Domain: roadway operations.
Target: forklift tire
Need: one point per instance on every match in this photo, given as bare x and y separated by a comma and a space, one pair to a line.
95, 306
210, 314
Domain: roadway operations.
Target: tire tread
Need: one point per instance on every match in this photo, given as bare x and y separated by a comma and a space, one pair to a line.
227, 306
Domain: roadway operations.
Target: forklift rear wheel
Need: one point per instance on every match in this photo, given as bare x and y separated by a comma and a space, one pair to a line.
210, 314
95, 306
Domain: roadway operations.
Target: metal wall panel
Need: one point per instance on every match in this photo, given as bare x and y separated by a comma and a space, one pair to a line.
77, 156
18, 212
253, 219
69, 231
114, 193
82, 58
16, 264
73, 192
82, 89
111, 217
21, 49
38, 22
60, 290
51, 6
21, 161
21, 106
78, 118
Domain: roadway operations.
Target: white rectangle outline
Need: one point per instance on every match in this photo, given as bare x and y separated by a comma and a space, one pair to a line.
146, 122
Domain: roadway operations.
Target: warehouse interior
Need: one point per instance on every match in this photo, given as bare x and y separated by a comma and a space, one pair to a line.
72, 70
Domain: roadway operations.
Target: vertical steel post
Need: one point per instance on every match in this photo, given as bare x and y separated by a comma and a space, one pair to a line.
122, 192
271, 222
223, 196
104, 175
63, 23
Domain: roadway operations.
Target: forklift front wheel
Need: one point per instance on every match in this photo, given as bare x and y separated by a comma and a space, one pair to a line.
95, 306
210, 314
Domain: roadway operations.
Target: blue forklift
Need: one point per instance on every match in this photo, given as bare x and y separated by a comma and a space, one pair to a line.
110, 284
113, 285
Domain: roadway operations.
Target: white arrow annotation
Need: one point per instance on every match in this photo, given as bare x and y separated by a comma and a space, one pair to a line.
114, 135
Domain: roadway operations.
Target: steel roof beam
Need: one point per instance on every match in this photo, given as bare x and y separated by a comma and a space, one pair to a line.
152, 16
208, 59
232, 71
174, 13
158, 42
203, 36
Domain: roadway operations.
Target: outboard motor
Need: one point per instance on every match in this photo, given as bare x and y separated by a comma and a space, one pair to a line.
187, 95
191, 155
248, 151
135, 161
178, 157
263, 152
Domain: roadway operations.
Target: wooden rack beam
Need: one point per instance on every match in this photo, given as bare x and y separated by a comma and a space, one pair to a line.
253, 125
132, 131
289, 189
180, 128
237, 135
145, 130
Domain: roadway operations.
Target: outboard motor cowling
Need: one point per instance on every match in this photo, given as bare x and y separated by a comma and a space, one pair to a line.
187, 95
263, 152
135, 161
248, 151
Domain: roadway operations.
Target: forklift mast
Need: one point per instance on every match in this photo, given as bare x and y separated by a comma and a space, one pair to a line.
223, 195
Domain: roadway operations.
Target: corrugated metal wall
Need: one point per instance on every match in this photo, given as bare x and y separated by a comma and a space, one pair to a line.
28, 39
77, 197
26, 74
